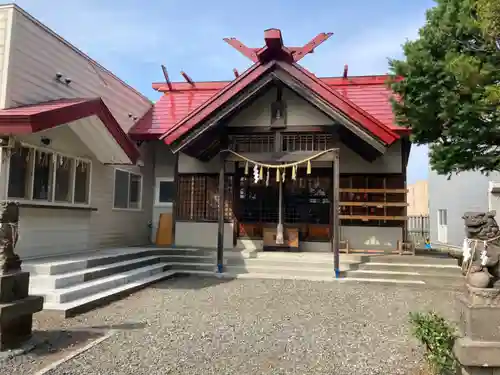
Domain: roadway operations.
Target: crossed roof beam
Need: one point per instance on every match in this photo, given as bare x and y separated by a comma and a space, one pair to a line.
274, 42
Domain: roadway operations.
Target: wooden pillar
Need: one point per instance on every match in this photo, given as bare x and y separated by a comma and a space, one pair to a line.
335, 214
220, 230
176, 195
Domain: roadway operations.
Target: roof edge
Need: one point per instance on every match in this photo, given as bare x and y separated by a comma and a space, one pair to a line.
91, 61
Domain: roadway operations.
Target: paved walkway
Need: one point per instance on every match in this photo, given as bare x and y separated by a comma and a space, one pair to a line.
192, 325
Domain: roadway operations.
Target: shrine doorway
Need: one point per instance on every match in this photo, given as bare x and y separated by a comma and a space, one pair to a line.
307, 203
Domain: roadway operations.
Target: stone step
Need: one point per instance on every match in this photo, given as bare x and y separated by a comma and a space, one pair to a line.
47, 282
95, 286
87, 303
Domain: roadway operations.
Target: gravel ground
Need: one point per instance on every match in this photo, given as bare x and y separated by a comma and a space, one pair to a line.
203, 326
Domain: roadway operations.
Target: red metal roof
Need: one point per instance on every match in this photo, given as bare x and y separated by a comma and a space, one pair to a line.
184, 105
42, 116
368, 92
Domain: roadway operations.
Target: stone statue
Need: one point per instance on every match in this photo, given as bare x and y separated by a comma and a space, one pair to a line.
477, 349
481, 252
9, 225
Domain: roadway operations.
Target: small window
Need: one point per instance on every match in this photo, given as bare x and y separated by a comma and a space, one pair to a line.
19, 173
443, 217
42, 176
165, 191
82, 182
128, 190
64, 179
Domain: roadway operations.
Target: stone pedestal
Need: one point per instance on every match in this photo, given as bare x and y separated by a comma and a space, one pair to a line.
478, 350
16, 309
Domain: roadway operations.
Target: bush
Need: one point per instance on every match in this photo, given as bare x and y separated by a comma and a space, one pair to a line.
438, 337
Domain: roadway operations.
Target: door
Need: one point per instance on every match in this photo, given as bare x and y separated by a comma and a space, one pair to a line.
443, 225
164, 231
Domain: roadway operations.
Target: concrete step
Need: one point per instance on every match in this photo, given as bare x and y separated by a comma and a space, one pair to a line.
387, 281
435, 279
211, 259
87, 303
289, 263
305, 270
445, 269
410, 259
187, 251
83, 261
231, 274
193, 266
64, 280
88, 288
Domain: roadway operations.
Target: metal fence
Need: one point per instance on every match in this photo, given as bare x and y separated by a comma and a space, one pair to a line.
418, 229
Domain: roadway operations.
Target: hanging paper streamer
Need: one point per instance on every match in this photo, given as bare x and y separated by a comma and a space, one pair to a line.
280, 240
308, 167
283, 175
267, 177
466, 251
277, 175
261, 173
294, 172
246, 168
255, 174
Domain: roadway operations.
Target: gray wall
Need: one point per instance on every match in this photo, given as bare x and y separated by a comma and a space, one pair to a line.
467, 191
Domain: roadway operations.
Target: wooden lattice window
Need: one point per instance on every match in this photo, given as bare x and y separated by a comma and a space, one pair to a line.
198, 198
252, 142
308, 142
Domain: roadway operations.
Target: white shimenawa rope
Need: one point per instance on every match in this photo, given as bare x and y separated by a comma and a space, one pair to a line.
469, 253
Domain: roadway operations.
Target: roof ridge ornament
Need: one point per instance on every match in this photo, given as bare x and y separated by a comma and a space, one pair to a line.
274, 48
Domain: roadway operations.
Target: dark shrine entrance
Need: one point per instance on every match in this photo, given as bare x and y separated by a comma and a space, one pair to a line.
307, 202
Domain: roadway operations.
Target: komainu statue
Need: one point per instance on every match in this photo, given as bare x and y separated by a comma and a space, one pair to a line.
481, 250
9, 224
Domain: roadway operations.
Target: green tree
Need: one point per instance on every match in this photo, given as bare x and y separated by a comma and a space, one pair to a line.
489, 18
448, 90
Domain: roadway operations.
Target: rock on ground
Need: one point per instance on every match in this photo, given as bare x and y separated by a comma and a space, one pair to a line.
194, 325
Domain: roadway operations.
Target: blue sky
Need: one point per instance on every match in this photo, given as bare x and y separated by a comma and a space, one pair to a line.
133, 37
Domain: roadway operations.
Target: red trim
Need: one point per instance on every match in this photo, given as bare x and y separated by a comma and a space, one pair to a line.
218, 85
42, 116
299, 53
341, 103
200, 113
313, 83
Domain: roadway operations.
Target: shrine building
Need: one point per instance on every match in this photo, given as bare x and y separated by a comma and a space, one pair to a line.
309, 163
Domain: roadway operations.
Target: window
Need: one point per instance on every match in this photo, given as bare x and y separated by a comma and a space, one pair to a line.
19, 173
82, 179
442, 217
198, 198
128, 190
46, 176
165, 191
64, 179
